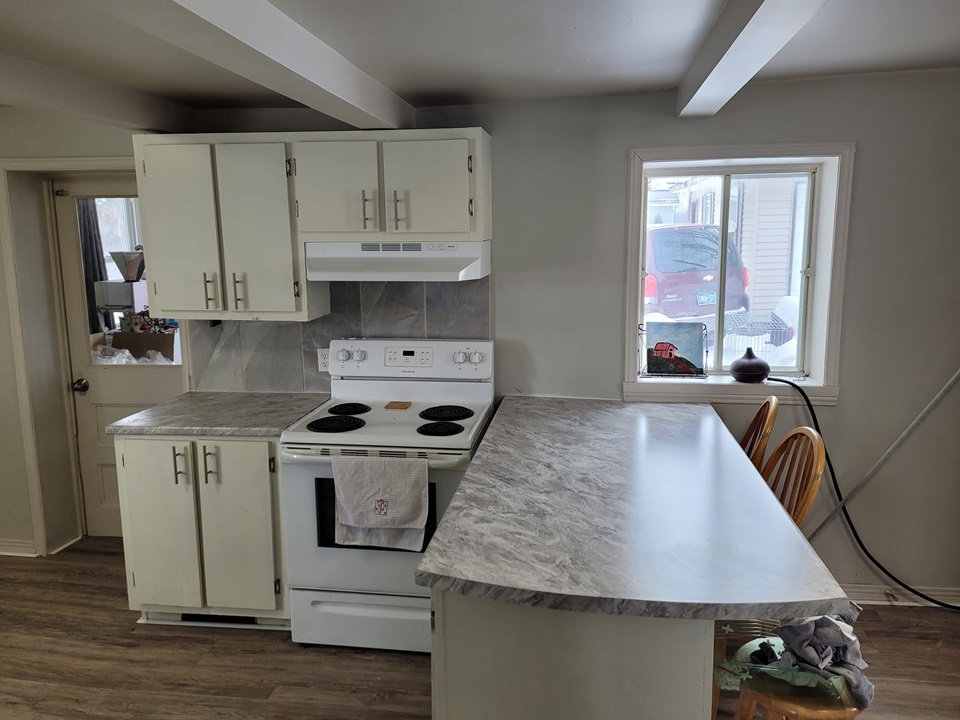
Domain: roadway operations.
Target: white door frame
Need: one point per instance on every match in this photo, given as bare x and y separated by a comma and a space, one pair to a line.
45, 167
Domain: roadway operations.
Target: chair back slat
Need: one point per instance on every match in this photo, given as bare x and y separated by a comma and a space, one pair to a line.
794, 471
754, 441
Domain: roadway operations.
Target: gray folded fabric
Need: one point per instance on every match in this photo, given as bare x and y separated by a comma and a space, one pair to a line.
827, 647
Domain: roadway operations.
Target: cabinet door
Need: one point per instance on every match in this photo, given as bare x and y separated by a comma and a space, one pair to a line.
427, 186
255, 226
179, 216
337, 186
236, 512
159, 517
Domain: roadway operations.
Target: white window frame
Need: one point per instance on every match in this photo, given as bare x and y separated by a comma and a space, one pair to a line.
823, 311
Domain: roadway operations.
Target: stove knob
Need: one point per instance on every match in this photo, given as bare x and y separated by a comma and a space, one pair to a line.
343, 355
360, 355
459, 357
476, 357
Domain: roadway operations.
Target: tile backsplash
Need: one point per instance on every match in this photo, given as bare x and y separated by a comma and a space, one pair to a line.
282, 356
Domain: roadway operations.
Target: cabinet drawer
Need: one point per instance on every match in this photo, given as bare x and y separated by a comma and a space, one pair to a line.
360, 620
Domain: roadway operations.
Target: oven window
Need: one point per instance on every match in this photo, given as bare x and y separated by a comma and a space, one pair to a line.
327, 517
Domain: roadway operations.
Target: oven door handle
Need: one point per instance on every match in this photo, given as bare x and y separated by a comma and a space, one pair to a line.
303, 458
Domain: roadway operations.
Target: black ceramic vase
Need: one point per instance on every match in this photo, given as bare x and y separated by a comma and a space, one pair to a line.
749, 368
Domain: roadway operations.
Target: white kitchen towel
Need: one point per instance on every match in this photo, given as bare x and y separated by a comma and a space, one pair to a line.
381, 502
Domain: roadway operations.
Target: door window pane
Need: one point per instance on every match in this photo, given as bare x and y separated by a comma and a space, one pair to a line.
122, 331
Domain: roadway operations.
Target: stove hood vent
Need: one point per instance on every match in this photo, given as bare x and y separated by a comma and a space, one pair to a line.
398, 261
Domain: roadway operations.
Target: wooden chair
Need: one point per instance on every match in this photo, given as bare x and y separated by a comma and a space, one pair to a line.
794, 469
793, 472
786, 707
754, 441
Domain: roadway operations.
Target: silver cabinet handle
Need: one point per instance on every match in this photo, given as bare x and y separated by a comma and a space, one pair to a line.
363, 208
396, 211
207, 472
177, 472
236, 295
206, 296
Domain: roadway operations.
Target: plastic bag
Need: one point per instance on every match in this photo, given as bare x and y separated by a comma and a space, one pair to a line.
106, 355
154, 357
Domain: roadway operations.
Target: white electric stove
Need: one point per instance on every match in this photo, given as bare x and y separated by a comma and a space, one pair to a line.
428, 399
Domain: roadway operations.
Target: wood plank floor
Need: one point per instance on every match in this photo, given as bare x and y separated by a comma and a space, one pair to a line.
69, 648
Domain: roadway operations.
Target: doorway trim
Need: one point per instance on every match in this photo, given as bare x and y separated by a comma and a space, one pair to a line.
46, 167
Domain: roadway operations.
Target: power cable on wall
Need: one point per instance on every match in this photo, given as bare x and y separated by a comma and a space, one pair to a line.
842, 507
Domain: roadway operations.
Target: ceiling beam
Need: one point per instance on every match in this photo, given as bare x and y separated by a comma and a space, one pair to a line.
24, 83
746, 35
255, 40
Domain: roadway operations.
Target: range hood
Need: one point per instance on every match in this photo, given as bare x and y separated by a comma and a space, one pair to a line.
397, 261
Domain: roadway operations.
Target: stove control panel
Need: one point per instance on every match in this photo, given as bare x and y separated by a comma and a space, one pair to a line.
432, 359
408, 357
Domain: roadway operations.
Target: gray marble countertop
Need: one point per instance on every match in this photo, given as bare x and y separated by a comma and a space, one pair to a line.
623, 508
238, 414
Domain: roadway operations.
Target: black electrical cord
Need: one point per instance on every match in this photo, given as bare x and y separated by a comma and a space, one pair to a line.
846, 515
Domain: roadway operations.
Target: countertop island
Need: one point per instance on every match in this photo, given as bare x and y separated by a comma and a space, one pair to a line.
228, 414
646, 520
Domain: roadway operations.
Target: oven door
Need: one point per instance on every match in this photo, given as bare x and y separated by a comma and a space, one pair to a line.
315, 561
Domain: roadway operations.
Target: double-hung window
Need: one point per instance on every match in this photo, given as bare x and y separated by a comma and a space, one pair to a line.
749, 244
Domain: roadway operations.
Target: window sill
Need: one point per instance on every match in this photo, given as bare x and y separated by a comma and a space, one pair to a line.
724, 389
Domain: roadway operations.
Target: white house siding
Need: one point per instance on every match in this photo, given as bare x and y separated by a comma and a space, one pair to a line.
768, 224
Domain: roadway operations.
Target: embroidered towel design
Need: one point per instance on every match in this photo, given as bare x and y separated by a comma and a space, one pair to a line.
381, 502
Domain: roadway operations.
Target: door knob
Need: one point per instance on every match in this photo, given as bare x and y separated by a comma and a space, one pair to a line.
81, 385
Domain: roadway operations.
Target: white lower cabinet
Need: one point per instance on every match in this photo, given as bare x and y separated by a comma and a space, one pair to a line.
199, 524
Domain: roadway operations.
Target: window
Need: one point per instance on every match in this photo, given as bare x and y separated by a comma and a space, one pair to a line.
117, 218
750, 244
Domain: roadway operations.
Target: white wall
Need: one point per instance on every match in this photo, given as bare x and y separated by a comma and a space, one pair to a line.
559, 198
16, 524
49, 403
44, 134
37, 134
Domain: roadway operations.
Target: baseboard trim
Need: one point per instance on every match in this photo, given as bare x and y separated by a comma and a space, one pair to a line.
65, 545
19, 548
864, 594
153, 618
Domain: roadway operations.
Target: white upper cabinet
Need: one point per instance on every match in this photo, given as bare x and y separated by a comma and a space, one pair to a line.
338, 186
255, 225
427, 186
226, 217
388, 186
179, 212
217, 232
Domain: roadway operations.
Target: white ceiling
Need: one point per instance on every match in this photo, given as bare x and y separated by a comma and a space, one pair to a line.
70, 35
462, 51
450, 51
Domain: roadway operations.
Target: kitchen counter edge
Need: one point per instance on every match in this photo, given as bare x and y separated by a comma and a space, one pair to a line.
221, 414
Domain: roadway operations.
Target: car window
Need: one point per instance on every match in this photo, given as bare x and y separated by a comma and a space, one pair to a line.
689, 249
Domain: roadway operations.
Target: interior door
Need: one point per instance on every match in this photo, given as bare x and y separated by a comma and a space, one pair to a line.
427, 186
102, 393
255, 225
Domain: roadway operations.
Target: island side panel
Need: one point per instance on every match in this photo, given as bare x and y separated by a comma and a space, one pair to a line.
516, 662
